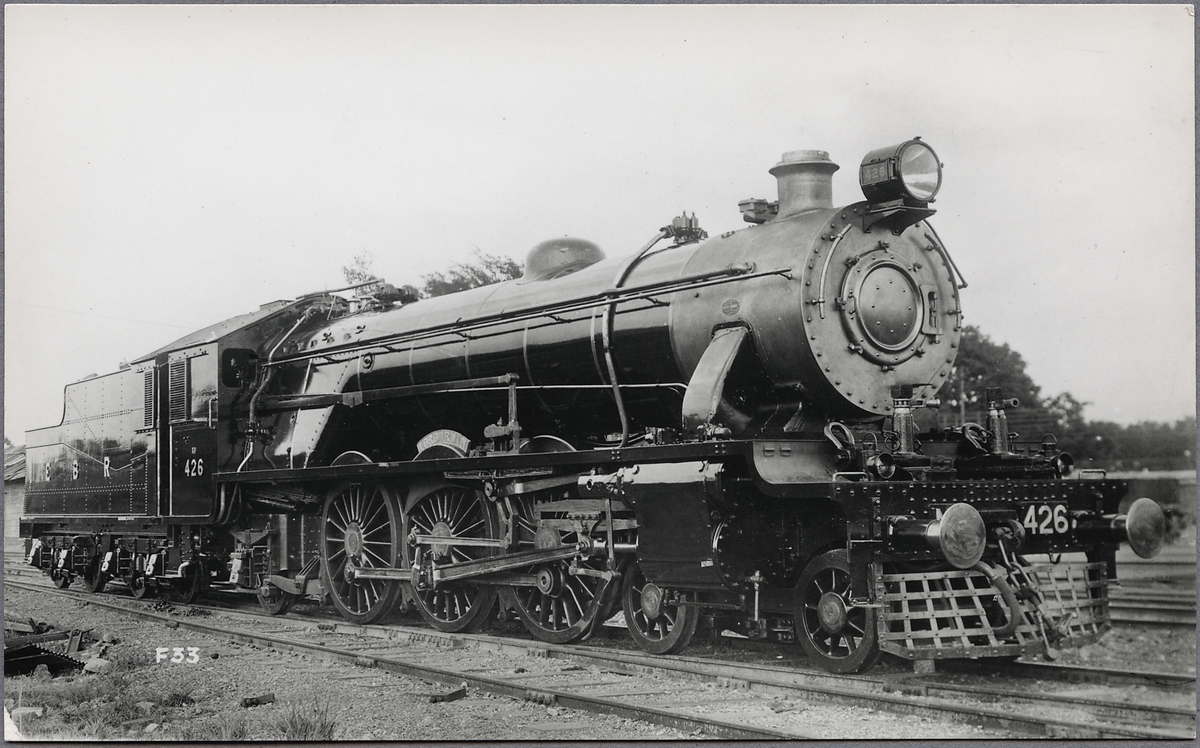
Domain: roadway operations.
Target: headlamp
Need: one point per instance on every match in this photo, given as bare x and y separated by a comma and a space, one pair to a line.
909, 171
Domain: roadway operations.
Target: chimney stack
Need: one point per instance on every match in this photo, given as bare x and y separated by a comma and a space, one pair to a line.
805, 181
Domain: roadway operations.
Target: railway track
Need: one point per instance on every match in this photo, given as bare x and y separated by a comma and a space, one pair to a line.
1129, 604
1175, 565
733, 700
1153, 607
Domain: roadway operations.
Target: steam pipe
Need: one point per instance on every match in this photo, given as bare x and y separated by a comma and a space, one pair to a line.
268, 375
374, 282
607, 331
996, 577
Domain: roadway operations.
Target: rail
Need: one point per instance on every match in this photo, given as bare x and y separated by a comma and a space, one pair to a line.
1011, 710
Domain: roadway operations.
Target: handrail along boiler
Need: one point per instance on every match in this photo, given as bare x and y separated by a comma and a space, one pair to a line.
714, 431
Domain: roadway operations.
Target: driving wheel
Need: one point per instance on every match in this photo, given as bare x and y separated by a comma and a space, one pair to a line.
559, 607
837, 635
452, 512
655, 627
361, 528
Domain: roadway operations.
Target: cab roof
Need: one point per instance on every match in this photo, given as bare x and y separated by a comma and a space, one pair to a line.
221, 329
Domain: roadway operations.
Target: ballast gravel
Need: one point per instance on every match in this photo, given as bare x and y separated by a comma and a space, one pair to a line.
363, 704
213, 675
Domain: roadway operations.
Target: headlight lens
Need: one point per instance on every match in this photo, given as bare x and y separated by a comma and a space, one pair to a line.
920, 170
909, 171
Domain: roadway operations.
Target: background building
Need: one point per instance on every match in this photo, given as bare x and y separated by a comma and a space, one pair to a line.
14, 495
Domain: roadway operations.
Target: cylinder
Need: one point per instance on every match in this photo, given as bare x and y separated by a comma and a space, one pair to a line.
805, 181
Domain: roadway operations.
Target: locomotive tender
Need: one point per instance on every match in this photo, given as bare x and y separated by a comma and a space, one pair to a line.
714, 431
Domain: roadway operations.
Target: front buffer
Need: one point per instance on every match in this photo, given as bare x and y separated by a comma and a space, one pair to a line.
1004, 604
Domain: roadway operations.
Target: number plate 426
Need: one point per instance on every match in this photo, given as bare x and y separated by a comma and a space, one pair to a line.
1045, 519
194, 468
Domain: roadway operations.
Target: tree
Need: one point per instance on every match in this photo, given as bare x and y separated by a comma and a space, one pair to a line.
982, 364
359, 269
1066, 411
1140, 446
484, 271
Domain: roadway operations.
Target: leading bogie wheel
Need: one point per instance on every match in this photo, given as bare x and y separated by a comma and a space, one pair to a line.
837, 635
361, 528
561, 607
275, 602
452, 512
655, 627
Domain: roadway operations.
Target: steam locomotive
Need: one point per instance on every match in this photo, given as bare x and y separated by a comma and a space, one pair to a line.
715, 432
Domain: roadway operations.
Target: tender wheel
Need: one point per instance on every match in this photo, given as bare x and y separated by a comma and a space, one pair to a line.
837, 636
560, 607
137, 585
657, 628
190, 587
93, 578
452, 512
361, 527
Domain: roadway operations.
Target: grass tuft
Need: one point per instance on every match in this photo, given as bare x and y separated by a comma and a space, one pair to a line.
97, 727
121, 709
224, 731
307, 723
178, 697
91, 706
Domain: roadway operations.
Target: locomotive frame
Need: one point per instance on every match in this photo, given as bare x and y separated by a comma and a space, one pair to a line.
723, 435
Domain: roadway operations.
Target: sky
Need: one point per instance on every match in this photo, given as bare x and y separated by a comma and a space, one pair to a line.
167, 167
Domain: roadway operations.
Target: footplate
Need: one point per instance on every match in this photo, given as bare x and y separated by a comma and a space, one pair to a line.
960, 614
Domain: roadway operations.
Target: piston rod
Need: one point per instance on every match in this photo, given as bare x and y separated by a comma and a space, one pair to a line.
431, 576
